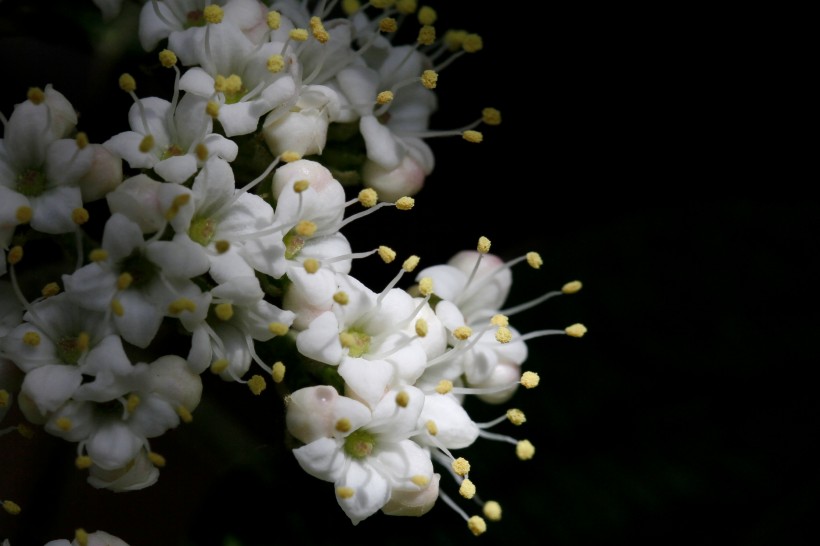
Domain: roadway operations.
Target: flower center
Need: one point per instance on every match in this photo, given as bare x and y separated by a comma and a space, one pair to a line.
172, 151
141, 269
202, 230
357, 342
31, 182
293, 245
69, 349
195, 18
359, 444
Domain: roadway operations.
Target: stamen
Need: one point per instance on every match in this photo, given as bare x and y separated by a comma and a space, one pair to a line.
257, 384
492, 510
11, 507
278, 372
156, 459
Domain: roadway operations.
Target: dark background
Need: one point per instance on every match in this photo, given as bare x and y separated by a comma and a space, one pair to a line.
640, 153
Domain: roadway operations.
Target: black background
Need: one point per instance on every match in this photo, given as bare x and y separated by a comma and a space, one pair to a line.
641, 153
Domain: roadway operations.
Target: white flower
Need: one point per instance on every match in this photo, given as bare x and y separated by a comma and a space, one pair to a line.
161, 19
147, 202
97, 538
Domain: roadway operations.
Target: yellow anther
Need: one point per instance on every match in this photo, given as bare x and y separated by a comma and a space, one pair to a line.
117, 308
25, 431
128, 83
388, 24
290, 156
491, 116
51, 289
167, 58
276, 63
483, 245
405, 203
83, 341
500, 320
420, 480
146, 144
524, 450
156, 459
347, 340
201, 152
81, 536
534, 259
381, 4
184, 414
421, 327
257, 384
305, 228
82, 462
181, 200
278, 372
212, 109
387, 254
311, 265
4, 398
472, 43
222, 246
571, 287
182, 304
432, 428
576, 330
402, 399
278, 328
492, 510
23, 214
426, 286
467, 489
341, 298
219, 365
15, 254
444, 386
301, 185
503, 335
11, 507
429, 79
530, 379
223, 311
64, 424
406, 7
477, 525
516, 416
233, 84
274, 20
124, 280
31, 338
318, 30
427, 35
343, 425
384, 97
368, 197
81, 139
344, 492
132, 402
410, 263
462, 332
351, 6
35, 95
220, 83
98, 255
213, 14
461, 466
298, 34
427, 15
472, 136
454, 39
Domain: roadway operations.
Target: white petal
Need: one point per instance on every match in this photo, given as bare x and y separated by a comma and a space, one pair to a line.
321, 340
321, 459
113, 445
371, 491
51, 385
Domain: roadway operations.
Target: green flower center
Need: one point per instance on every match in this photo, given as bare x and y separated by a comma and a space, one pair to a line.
69, 350
31, 182
194, 18
141, 269
359, 444
202, 230
356, 341
172, 151
293, 245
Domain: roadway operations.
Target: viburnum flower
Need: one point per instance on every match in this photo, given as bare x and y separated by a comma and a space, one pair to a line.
83, 538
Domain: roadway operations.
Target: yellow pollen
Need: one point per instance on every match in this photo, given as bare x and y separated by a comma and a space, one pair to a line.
98, 255
351, 6
278, 372
15, 254
384, 97
344, 492
219, 365
429, 79
420, 480
421, 327
402, 399
477, 525
275, 63
432, 428
492, 510
311, 265
467, 489
11, 507
368, 197
132, 402
213, 14
167, 58
298, 35
516, 416
462, 332
341, 298
534, 259
82, 462
305, 228
347, 339
427, 35
81, 537
503, 335
491, 116
32, 339
278, 328
184, 414
388, 24
25, 431
387, 254
524, 450
290, 156
444, 386
576, 330
124, 280
405, 203
156, 459
454, 39
127, 83
472, 136
146, 144
427, 15
318, 30
224, 311
23, 214
381, 4
220, 83
426, 286
500, 320
63, 423
301, 185
51, 289
83, 340
483, 245
4, 398
201, 152
410, 263
117, 308
343, 425
571, 287
82, 140
180, 305
257, 384
274, 19
181, 200
406, 6
233, 84
222, 246
35, 95
212, 109
461, 466
472, 43
530, 379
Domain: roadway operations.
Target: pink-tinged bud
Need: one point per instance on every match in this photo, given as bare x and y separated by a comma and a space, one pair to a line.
392, 184
104, 175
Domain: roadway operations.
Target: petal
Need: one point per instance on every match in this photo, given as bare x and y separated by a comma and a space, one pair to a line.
113, 445
321, 340
51, 385
371, 491
53, 209
140, 320
367, 379
321, 459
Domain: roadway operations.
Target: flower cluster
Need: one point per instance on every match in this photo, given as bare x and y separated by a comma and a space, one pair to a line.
133, 266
